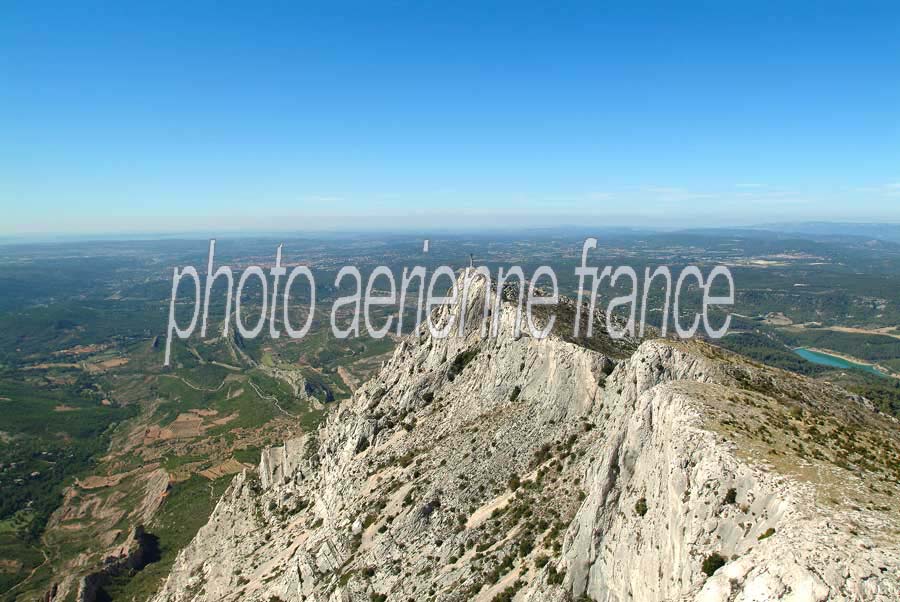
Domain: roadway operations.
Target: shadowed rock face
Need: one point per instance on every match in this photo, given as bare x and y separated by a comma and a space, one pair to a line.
546, 470
139, 550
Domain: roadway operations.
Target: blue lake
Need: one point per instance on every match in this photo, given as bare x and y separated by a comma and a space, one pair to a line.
832, 361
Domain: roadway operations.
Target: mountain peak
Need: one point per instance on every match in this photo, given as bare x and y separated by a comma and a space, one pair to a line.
513, 467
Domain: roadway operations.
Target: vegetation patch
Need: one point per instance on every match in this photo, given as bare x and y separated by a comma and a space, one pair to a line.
713, 563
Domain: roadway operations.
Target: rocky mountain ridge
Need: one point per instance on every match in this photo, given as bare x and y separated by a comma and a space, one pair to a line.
513, 468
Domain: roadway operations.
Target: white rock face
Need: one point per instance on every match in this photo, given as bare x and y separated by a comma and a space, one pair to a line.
542, 470
684, 473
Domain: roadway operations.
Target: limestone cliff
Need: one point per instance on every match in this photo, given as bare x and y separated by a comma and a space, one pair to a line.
513, 468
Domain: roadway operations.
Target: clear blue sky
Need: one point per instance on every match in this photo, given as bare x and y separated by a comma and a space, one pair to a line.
173, 115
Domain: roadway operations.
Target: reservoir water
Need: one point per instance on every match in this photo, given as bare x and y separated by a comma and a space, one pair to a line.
833, 361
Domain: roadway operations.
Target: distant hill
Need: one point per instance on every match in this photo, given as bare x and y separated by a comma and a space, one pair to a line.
887, 232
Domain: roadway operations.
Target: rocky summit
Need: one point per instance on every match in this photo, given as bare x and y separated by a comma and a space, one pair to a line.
515, 468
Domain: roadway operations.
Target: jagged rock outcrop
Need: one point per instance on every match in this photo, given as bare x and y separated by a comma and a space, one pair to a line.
138, 549
542, 470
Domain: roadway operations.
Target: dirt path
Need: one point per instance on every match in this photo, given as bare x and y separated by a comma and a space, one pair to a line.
195, 387
271, 398
887, 331
32, 573
226, 366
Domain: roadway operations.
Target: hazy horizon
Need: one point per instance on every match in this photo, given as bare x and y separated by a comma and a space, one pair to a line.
364, 228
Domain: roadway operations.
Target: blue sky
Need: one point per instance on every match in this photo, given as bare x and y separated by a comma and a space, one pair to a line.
302, 115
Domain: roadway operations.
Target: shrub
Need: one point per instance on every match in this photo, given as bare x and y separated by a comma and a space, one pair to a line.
525, 547
769, 533
731, 496
460, 362
641, 507
713, 563
554, 577
508, 594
